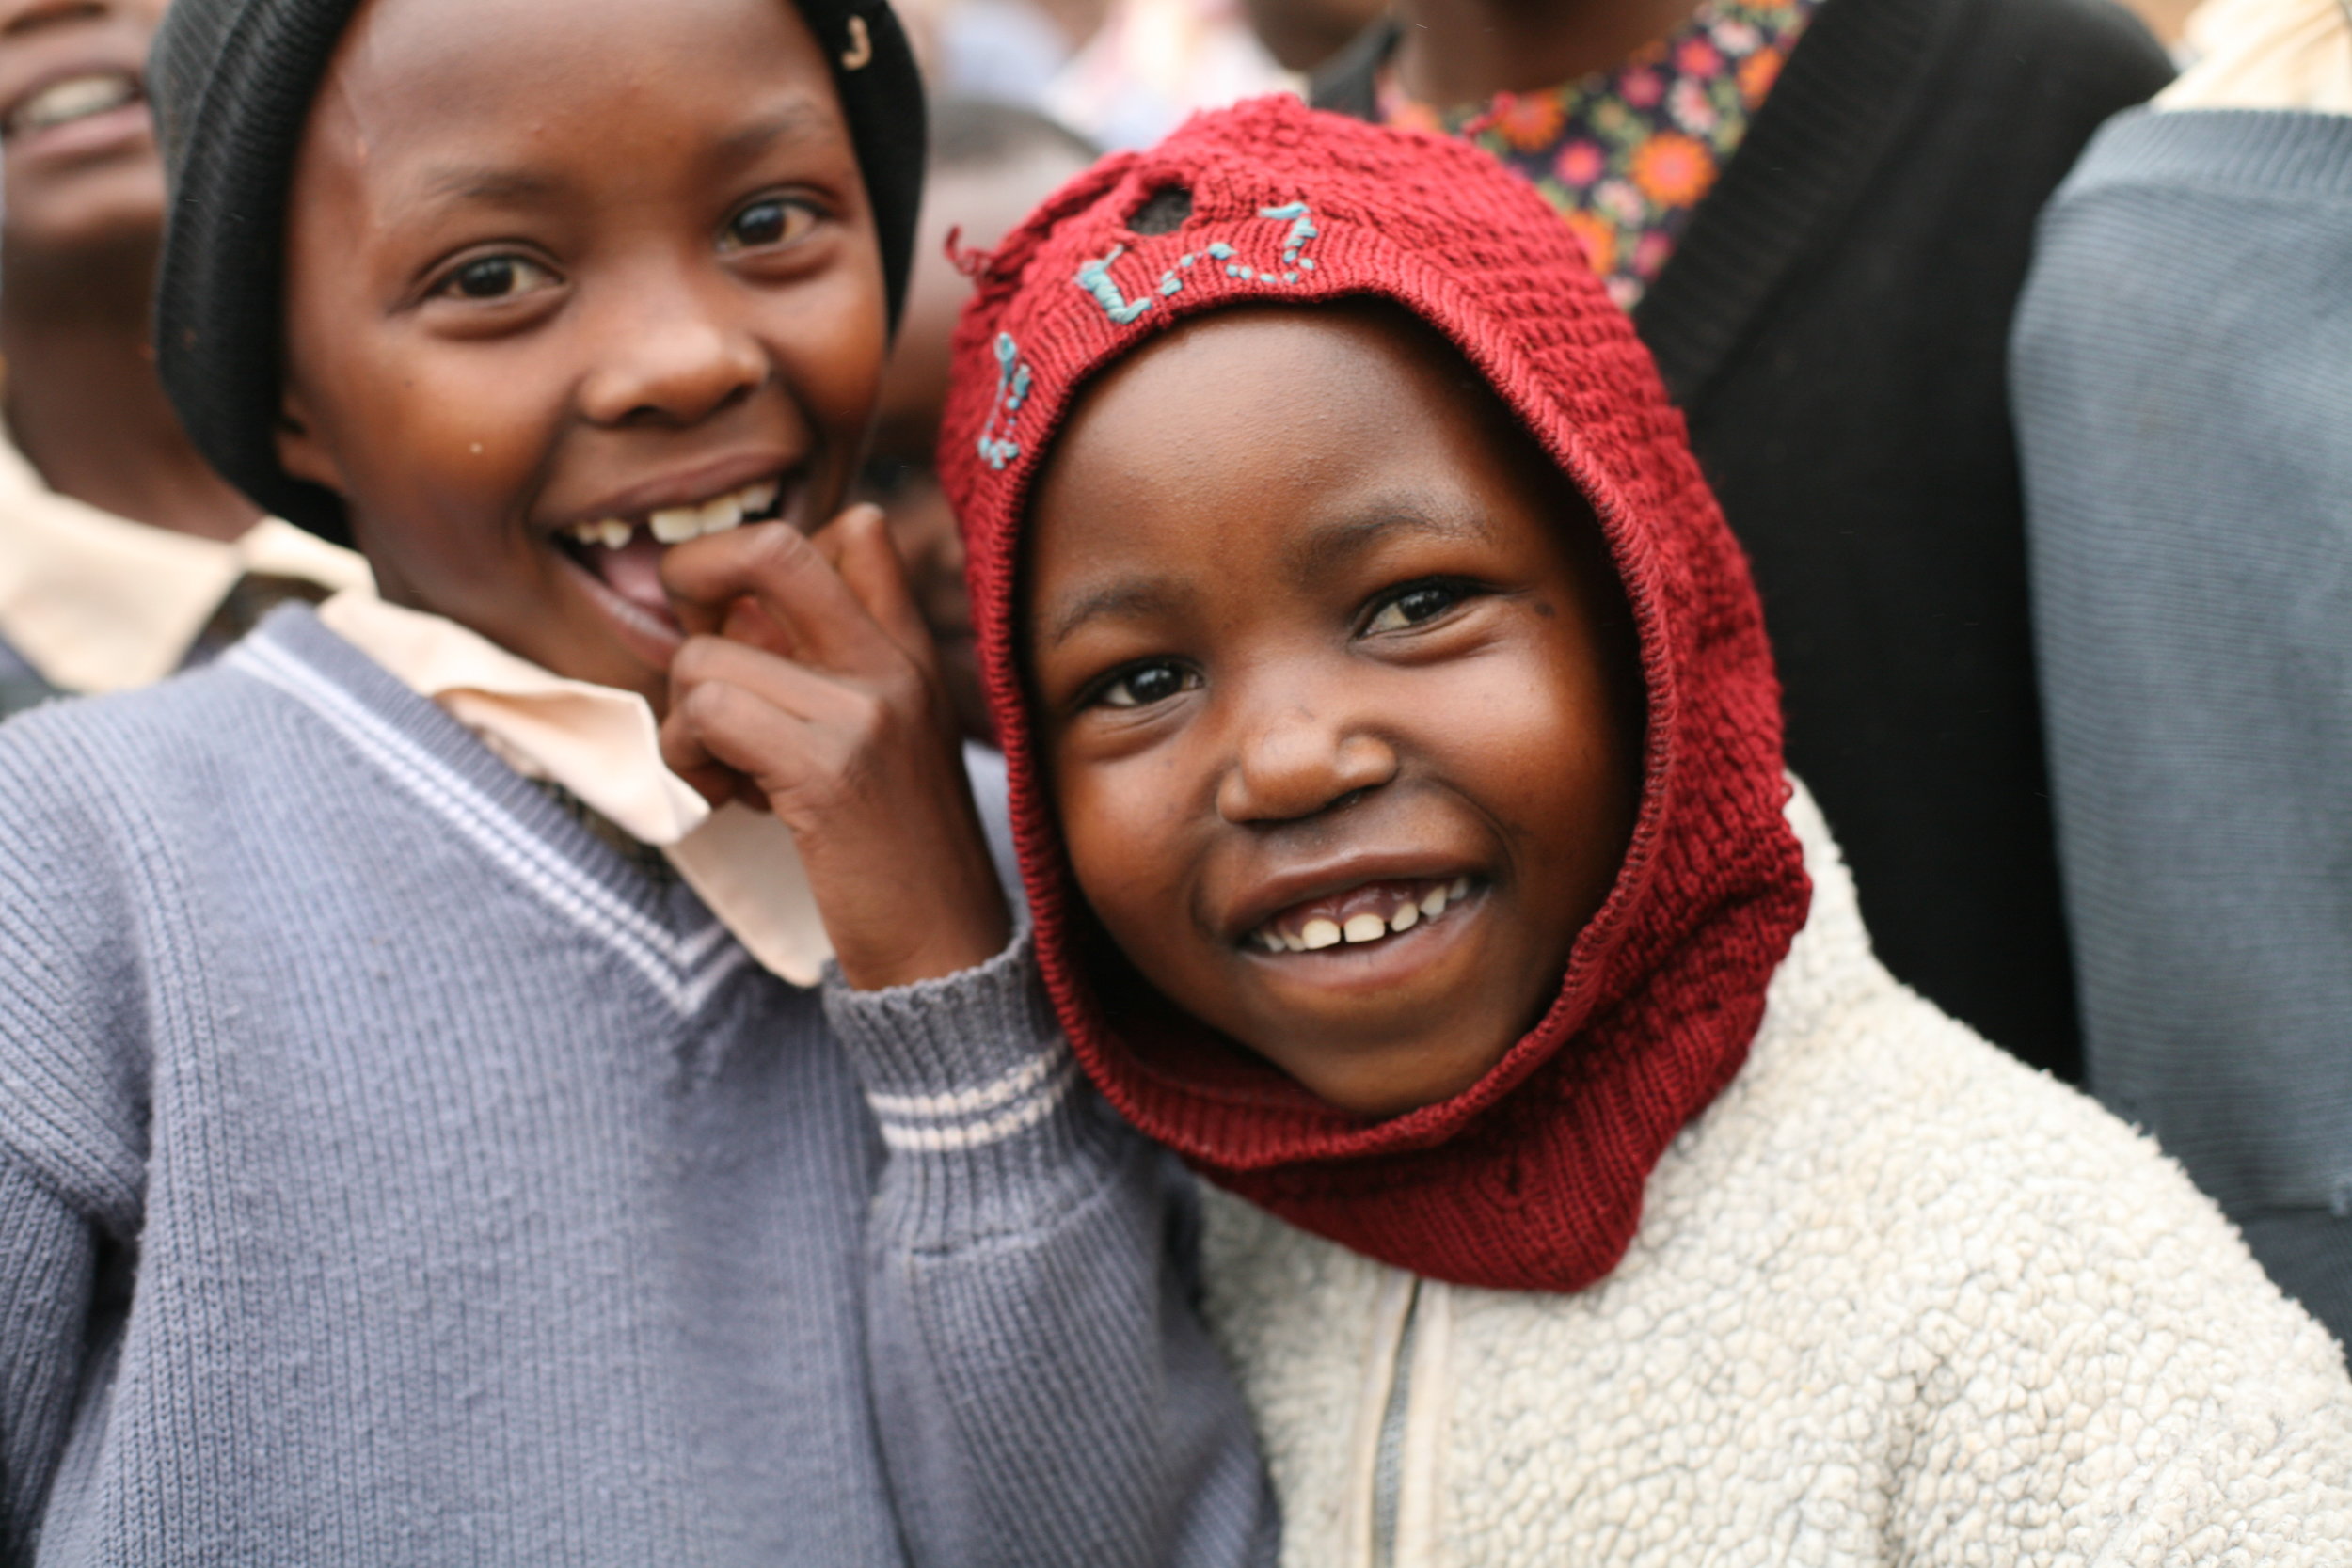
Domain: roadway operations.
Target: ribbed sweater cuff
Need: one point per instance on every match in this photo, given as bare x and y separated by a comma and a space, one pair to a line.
971, 1078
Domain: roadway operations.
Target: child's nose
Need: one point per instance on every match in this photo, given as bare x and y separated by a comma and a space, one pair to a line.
669, 358
1299, 762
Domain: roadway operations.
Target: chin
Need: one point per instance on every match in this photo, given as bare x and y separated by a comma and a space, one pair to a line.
1390, 1079
91, 216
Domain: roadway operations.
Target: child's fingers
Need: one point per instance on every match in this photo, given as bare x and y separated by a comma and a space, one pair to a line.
745, 622
859, 545
747, 738
785, 733
683, 753
793, 585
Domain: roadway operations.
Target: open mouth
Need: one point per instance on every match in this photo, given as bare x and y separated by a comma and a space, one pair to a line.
73, 99
625, 553
1372, 912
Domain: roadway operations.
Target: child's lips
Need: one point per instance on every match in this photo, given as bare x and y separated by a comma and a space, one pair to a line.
76, 99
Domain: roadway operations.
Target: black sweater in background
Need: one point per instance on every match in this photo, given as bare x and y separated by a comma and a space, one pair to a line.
1834, 324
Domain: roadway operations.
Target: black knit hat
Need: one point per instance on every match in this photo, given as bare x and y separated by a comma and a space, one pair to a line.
231, 82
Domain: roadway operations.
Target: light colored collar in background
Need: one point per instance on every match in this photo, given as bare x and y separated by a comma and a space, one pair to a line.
603, 745
98, 603
2265, 54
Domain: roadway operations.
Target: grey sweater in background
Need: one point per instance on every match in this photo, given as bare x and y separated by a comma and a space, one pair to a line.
21, 685
2183, 375
390, 1173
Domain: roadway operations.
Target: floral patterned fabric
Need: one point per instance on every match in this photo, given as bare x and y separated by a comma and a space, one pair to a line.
1627, 155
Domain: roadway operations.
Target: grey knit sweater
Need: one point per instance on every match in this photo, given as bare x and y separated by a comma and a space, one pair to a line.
389, 1173
2184, 388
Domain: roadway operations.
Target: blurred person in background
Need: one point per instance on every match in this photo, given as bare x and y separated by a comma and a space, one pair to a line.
122, 555
2184, 387
1820, 213
2165, 20
989, 164
1304, 35
1121, 73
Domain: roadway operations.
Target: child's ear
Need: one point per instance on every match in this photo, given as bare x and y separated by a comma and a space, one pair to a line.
302, 454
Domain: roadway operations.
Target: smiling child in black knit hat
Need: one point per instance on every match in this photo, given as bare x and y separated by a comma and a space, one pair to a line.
435, 1131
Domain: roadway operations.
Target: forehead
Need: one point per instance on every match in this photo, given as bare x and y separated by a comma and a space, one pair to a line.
1239, 429
461, 83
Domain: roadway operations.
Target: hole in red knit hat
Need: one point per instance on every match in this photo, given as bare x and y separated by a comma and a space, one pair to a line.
1163, 212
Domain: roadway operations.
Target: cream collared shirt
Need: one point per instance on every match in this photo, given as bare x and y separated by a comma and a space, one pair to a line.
2265, 54
603, 745
98, 603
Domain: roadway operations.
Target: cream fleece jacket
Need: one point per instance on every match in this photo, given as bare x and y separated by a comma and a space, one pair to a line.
1896, 1298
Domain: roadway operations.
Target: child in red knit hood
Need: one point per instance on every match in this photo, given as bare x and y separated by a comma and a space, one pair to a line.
1396, 767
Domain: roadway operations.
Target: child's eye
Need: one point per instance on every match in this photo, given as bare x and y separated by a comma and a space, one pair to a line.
495, 277
768, 223
1146, 684
1421, 602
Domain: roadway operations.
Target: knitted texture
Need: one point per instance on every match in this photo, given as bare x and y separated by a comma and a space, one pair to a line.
21, 685
1532, 1176
232, 82
389, 1172
2185, 417
1896, 1301
1878, 218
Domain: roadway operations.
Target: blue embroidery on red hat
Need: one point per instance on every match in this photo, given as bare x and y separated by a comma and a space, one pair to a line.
1303, 229
1094, 276
1013, 391
1095, 279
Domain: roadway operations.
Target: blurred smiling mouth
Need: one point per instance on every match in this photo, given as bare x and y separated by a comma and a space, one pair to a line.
623, 554
72, 99
1360, 915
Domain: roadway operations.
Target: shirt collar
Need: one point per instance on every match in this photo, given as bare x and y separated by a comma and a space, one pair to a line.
98, 603
603, 745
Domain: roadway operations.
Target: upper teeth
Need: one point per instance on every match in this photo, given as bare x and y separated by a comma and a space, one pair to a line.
1322, 932
75, 98
675, 525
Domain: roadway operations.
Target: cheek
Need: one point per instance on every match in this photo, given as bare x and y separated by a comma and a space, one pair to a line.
448, 451
453, 429
1560, 754
832, 344
459, 494
1130, 844
1530, 737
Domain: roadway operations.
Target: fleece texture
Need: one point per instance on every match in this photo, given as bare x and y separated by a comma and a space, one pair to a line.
1532, 1177
232, 82
1896, 1299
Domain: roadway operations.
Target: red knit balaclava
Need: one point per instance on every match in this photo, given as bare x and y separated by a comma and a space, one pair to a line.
1531, 1179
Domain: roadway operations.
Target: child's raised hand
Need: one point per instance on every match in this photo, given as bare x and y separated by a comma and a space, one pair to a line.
808, 682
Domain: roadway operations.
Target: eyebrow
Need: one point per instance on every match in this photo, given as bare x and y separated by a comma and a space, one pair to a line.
1120, 599
491, 185
1324, 548
1319, 552
801, 120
